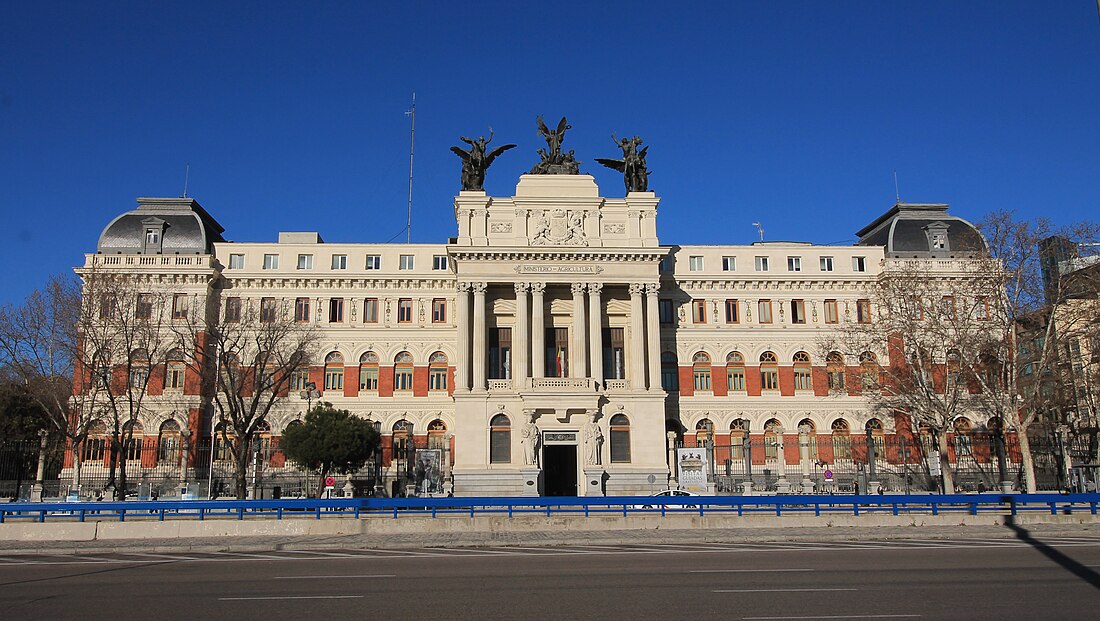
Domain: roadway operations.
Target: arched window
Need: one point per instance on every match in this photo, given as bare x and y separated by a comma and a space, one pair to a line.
139, 369
133, 435
368, 372
834, 371
964, 446
773, 437
735, 372
224, 439
437, 371
403, 372
437, 434
261, 439
807, 426
878, 437
168, 442
500, 440
869, 371
334, 371
739, 430
954, 370
402, 439
670, 372
174, 371
95, 445
842, 440
803, 377
231, 373
704, 432
700, 364
620, 439
769, 371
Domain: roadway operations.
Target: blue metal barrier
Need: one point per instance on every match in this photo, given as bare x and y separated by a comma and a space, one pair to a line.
973, 504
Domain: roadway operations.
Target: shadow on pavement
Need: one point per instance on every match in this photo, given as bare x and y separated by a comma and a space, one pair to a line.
1065, 561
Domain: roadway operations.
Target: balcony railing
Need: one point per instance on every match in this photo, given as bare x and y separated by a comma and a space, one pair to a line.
568, 383
500, 384
617, 384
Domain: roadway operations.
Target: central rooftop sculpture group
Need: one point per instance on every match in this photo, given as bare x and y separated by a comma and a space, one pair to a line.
553, 161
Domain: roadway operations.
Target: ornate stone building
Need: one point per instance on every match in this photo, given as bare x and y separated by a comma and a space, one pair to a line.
553, 346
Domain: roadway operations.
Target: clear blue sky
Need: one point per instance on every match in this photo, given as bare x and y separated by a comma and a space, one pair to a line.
291, 114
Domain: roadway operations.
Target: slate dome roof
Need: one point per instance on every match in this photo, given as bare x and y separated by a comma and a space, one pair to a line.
922, 231
185, 228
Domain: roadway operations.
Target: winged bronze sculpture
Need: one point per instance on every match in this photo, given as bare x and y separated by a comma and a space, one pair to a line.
555, 162
633, 166
476, 161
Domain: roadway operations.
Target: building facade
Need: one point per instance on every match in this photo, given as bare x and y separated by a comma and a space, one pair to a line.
554, 346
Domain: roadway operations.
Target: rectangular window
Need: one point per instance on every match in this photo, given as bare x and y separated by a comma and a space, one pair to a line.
139, 377
439, 262
735, 379
301, 310
947, 307
803, 380
794, 264
699, 311
769, 379
405, 262
439, 310
981, 308
831, 315
403, 379
732, 312
500, 353
339, 261
695, 264
368, 378
614, 359
798, 311
107, 306
701, 379
826, 264
761, 264
370, 310
729, 264
859, 264
764, 311
299, 378
271, 261
404, 310
232, 310
179, 306
334, 378
236, 261
336, 310
557, 352
665, 311
173, 377
374, 261
267, 310
144, 306
863, 311
437, 378
305, 261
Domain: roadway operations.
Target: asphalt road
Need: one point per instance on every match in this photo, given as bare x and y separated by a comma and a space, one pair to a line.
1051, 578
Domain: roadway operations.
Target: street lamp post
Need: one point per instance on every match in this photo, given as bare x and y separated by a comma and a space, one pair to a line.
309, 394
39, 479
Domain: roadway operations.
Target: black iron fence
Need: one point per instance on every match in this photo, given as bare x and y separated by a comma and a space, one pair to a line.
204, 469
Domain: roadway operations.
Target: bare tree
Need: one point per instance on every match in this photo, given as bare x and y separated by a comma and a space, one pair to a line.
249, 353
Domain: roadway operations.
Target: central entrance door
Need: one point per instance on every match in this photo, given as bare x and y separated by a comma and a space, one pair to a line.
560, 469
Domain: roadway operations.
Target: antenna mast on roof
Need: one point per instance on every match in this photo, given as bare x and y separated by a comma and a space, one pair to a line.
411, 112
897, 192
759, 229
186, 177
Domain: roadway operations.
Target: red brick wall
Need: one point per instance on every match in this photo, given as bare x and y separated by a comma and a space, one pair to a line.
786, 381
718, 381
317, 376
752, 381
420, 381
351, 381
790, 448
385, 381
687, 384
821, 381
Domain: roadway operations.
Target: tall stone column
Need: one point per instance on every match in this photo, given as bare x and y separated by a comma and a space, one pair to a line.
479, 336
653, 335
519, 339
595, 321
578, 355
637, 338
462, 319
538, 330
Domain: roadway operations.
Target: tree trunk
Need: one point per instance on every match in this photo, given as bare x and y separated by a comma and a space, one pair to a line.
120, 491
1027, 463
242, 472
945, 464
77, 463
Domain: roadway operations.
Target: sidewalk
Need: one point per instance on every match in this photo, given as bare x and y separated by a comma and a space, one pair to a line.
563, 536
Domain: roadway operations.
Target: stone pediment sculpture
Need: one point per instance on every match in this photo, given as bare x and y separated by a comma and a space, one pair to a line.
476, 161
633, 166
559, 227
554, 162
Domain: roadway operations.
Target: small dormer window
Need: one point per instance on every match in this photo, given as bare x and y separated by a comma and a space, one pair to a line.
939, 241
152, 237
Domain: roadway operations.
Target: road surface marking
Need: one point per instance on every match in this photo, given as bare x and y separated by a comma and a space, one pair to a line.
243, 599
838, 617
733, 571
779, 591
167, 557
331, 577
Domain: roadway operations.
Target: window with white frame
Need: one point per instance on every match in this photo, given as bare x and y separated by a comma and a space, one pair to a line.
339, 261
794, 264
729, 264
236, 261
405, 262
826, 264
859, 264
305, 261
761, 264
695, 264
374, 261
271, 261
439, 262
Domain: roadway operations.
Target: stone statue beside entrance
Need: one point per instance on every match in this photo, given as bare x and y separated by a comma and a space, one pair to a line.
530, 438
593, 440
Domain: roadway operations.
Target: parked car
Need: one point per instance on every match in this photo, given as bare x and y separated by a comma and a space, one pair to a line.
670, 492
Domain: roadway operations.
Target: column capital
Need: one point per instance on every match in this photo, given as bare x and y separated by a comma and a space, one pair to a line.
595, 288
538, 287
577, 288
522, 287
652, 288
637, 289
478, 287
462, 287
